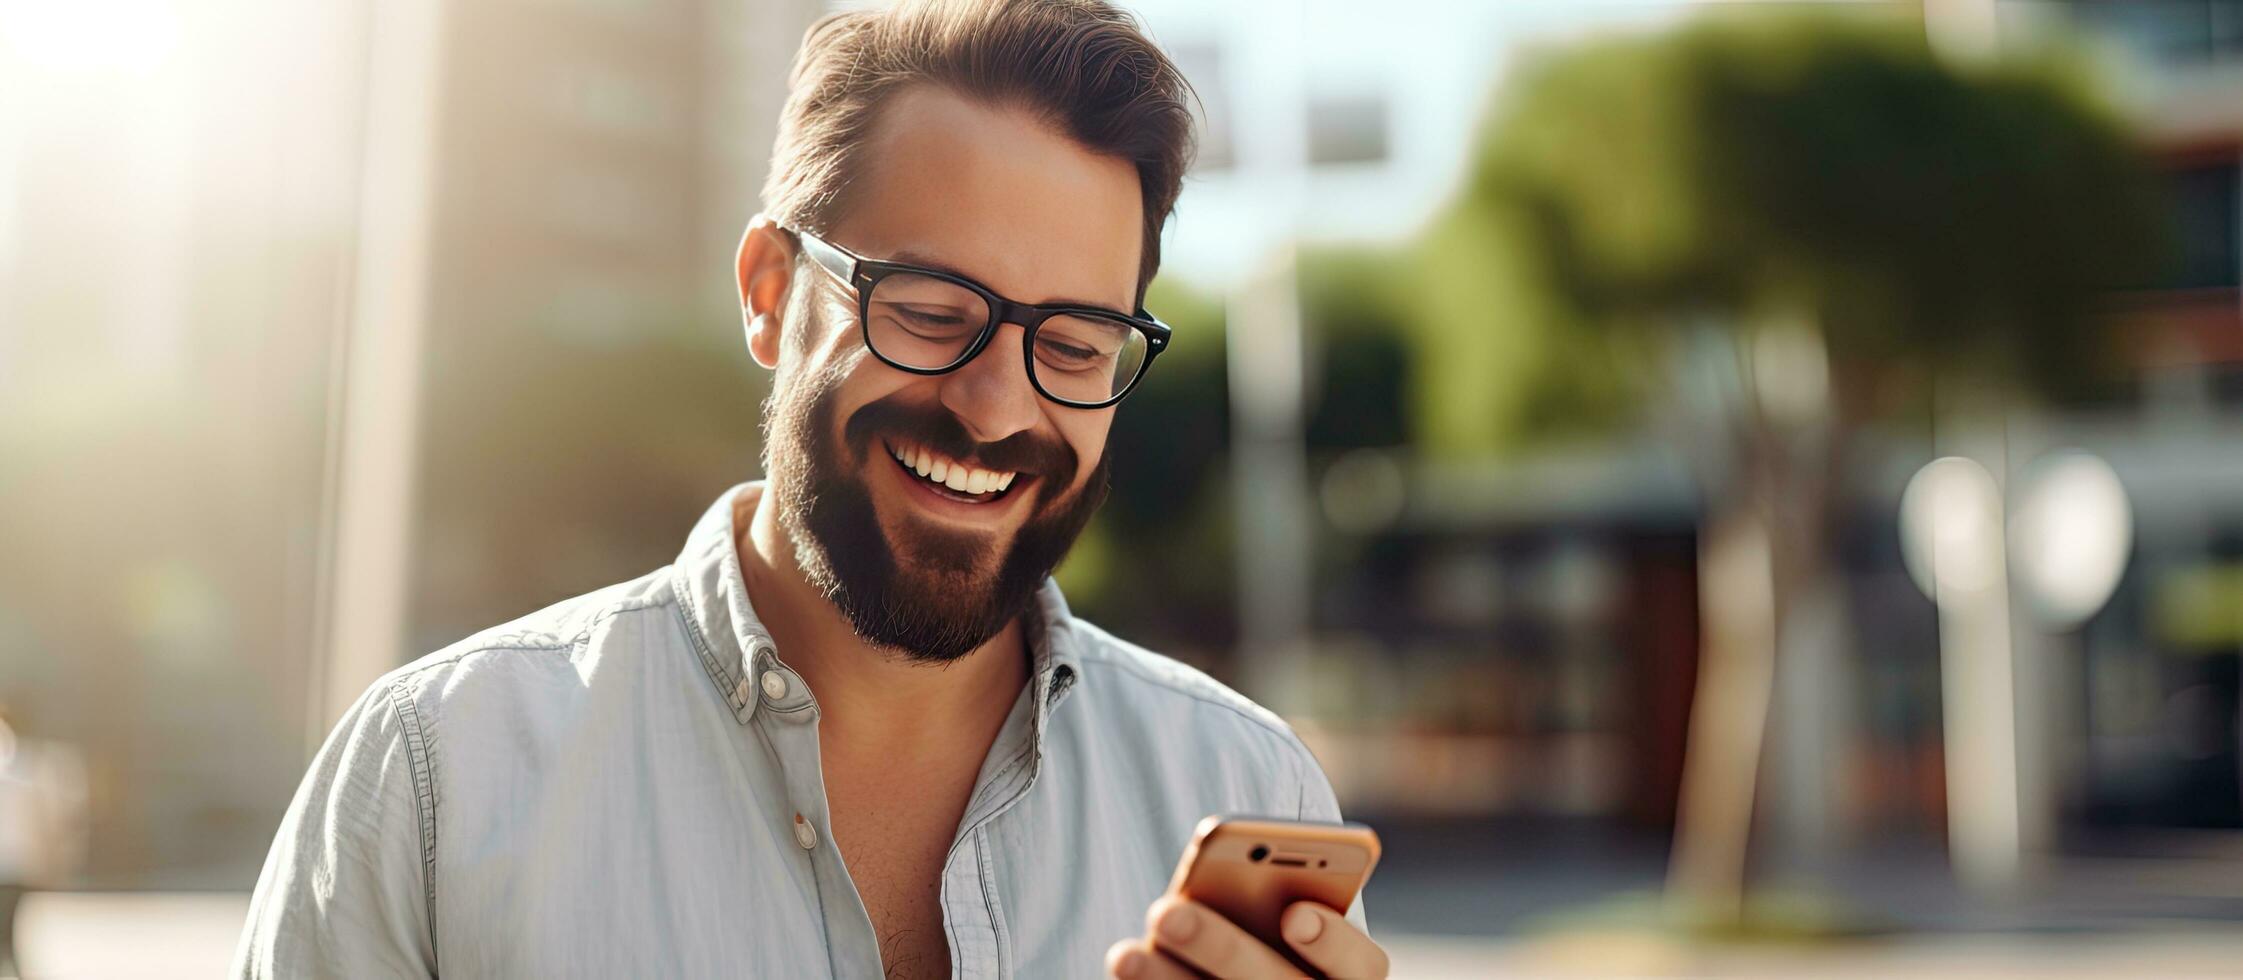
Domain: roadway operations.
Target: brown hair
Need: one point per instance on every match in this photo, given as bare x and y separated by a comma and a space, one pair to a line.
1084, 66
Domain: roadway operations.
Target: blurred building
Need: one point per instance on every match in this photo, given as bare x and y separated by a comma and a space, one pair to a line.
197, 210
1518, 637
593, 168
2149, 689
173, 226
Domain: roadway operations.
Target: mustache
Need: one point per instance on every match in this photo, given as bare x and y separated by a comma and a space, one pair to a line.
1029, 453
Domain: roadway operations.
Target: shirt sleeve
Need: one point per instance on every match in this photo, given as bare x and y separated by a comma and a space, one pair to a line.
344, 891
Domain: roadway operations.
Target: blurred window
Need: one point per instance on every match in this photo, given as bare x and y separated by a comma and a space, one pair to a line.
610, 102
1202, 65
597, 311
1347, 128
2175, 30
612, 208
2207, 202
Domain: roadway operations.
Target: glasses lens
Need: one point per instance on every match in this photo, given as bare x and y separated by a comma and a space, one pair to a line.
1086, 359
923, 322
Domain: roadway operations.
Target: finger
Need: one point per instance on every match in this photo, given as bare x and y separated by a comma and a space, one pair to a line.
1135, 959
1331, 943
1200, 937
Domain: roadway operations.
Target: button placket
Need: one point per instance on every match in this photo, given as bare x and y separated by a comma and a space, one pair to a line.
788, 720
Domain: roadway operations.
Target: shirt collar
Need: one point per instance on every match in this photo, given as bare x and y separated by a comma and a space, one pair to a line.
731, 640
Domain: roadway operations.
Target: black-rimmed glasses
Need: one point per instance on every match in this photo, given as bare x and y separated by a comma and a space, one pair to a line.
926, 321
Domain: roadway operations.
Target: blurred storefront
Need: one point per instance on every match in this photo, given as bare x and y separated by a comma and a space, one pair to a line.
2152, 682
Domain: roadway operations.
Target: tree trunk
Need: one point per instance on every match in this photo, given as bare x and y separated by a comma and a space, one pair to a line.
1764, 572
1728, 718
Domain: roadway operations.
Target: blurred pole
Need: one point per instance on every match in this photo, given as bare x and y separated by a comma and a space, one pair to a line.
1978, 696
2045, 668
1979, 714
1988, 786
374, 404
1791, 391
1269, 480
1271, 497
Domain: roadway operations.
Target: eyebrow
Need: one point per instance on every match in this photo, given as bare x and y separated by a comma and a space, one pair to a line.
908, 257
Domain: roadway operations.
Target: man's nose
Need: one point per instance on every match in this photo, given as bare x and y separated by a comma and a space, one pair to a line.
991, 394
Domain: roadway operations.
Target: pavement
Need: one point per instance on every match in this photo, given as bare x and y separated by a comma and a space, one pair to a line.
127, 935
132, 935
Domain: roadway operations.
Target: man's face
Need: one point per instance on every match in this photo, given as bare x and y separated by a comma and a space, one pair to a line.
995, 195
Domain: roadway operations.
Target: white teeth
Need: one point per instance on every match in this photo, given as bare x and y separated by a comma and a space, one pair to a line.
950, 473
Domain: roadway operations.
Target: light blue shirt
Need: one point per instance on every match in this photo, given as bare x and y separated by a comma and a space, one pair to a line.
626, 784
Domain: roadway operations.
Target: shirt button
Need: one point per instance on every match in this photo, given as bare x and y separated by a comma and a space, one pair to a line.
775, 687
804, 834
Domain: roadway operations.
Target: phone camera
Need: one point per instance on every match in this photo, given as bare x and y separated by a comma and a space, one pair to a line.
1258, 854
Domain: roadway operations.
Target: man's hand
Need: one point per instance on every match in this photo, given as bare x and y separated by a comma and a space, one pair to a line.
1182, 935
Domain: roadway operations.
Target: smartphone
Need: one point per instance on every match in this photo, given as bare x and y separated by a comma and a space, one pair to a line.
1251, 869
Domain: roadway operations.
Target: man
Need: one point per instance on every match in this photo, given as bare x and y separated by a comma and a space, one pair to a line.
854, 730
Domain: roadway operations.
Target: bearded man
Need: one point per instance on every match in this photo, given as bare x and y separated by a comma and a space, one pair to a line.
853, 731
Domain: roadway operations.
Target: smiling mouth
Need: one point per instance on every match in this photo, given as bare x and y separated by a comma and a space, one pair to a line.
947, 477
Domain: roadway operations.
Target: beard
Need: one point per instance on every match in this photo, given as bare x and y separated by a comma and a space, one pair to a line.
933, 594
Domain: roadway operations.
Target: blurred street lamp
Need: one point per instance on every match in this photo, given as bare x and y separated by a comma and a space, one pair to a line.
1952, 538
1950, 528
2069, 537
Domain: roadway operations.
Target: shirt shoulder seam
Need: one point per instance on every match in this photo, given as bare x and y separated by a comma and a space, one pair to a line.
530, 640
1278, 729
424, 797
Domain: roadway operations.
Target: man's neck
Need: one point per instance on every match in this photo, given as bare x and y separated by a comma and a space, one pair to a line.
866, 694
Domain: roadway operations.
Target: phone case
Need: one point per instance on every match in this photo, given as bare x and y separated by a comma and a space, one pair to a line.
1251, 869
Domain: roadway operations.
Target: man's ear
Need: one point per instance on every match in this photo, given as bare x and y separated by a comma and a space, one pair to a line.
764, 268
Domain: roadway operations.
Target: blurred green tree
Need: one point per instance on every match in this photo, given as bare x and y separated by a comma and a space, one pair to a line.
1800, 222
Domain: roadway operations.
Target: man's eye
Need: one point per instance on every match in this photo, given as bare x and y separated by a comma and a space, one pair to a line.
934, 317
944, 323
1061, 354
